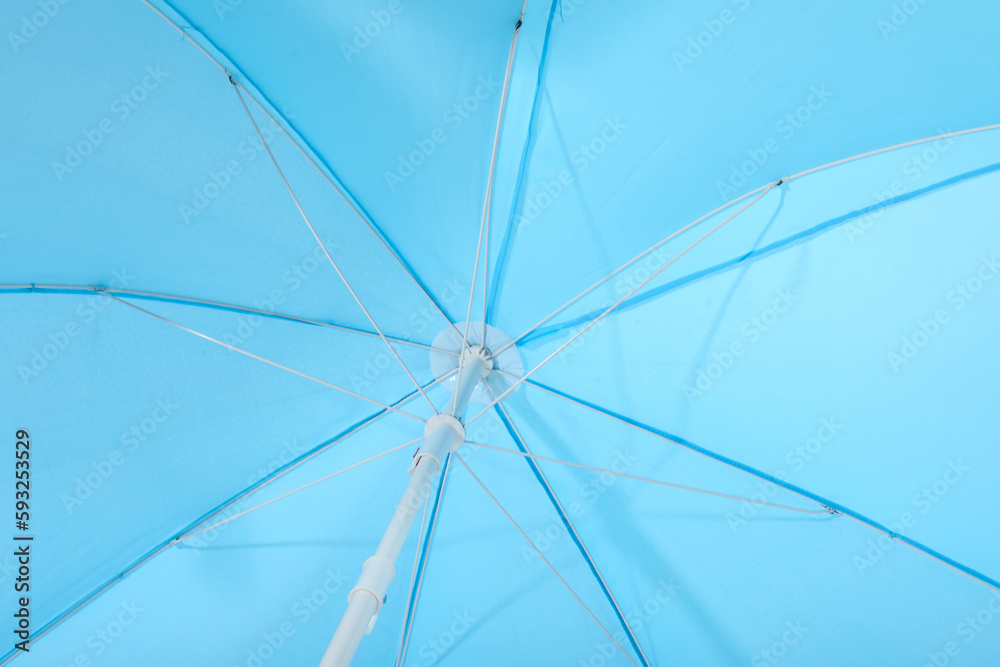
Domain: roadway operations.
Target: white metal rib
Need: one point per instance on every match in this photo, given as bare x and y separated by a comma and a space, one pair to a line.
405, 640
339, 189
413, 579
752, 474
579, 539
367, 422
617, 271
225, 306
483, 225
545, 560
468, 315
646, 479
184, 34
188, 536
654, 433
611, 308
336, 268
266, 361
487, 205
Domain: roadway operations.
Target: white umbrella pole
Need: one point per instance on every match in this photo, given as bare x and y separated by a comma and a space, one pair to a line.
443, 433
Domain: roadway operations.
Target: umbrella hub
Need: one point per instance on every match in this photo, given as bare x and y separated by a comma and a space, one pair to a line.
482, 354
490, 348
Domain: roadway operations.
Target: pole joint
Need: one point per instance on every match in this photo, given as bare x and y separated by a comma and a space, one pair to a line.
376, 575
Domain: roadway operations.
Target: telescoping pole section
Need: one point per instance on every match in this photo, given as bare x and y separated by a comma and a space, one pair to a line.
443, 433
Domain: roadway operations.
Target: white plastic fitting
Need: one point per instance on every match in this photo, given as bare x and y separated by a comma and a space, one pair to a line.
376, 575
442, 434
446, 420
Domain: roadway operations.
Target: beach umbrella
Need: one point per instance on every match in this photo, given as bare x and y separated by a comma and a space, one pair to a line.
555, 332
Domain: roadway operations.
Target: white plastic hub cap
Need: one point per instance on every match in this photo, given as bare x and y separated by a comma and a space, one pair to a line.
493, 383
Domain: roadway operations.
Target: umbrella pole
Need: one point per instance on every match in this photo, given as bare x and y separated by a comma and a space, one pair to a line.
443, 433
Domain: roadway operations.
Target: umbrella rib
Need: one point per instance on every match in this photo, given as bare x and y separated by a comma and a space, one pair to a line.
349, 199
834, 507
615, 305
780, 245
624, 266
414, 595
282, 472
215, 512
260, 358
184, 538
413, 578
543, 480
472, 294
364, 218
336, 268
169, 298
484, 223
185, 35
582, 466
509, 228
731, 203
493, 158
544, 559
648, 430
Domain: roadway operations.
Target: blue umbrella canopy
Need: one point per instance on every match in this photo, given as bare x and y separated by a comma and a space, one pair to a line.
736, 263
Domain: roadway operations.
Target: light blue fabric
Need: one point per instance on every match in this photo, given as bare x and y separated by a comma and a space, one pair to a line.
838, 335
